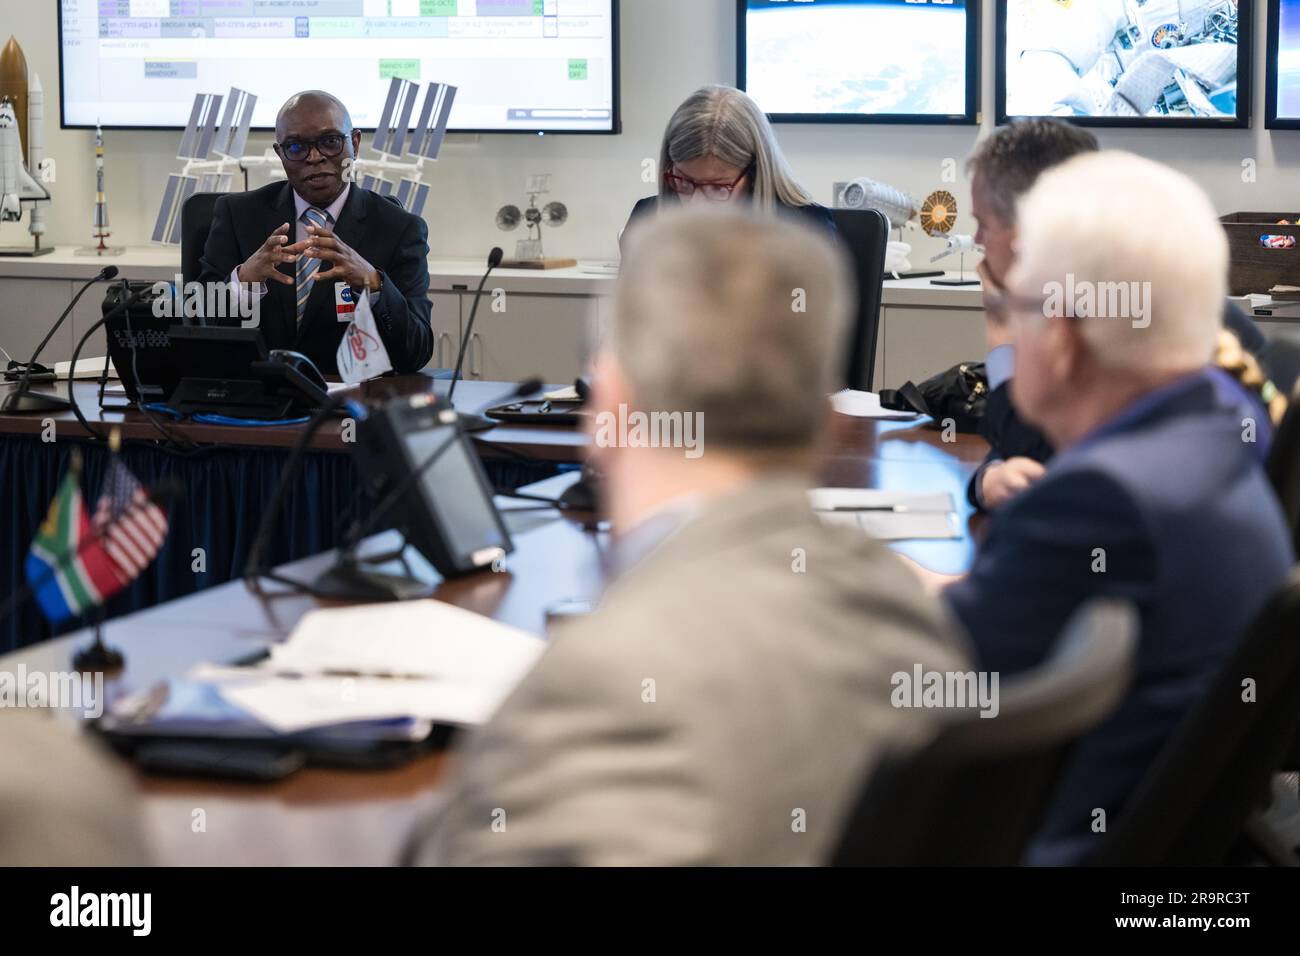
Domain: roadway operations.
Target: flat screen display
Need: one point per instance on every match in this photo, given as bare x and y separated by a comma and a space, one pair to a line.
1284, 65
520, 65
466, 514
860, 61
1119, 63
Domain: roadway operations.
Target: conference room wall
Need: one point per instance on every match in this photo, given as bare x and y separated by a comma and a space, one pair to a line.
669, 47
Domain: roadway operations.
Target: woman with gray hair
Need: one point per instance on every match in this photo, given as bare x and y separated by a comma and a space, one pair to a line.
720, 148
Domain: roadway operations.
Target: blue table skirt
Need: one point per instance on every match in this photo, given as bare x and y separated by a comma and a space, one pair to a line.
225, 492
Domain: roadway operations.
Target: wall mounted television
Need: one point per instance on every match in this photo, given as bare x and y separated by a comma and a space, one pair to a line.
1161, 63
524, 66
860, 61
1283, 91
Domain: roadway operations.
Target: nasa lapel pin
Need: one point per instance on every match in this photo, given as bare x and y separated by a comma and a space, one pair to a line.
345, 302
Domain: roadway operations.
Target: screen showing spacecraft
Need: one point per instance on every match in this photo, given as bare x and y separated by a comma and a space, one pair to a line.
520, 64
856, 57
1288, 60
1159, 60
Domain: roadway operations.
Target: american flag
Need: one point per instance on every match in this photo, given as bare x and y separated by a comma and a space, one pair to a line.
130, 525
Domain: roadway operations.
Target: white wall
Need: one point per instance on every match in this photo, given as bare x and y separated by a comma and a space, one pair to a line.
669, 47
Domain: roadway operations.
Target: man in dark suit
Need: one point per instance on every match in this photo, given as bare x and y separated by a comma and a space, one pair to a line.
1156, 494
287, 245
1003, 168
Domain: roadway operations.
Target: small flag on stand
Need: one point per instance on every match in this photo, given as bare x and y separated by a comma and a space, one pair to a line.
77, 562
130, 526
68, 569
361, 355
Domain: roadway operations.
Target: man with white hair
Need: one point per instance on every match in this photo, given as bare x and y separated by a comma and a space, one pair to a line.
1155, 494
726, 702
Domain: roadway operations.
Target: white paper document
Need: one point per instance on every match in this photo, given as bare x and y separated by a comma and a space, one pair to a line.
420, 659
867, 405
888, 515
293, 705
86, 368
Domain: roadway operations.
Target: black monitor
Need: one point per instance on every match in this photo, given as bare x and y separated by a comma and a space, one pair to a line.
412, 450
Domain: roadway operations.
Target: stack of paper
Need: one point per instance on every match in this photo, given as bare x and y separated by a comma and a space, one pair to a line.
888, 515
422, 660
86, 368
568, 394
867, 405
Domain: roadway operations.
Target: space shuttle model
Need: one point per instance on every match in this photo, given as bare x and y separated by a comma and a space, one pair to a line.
22, 148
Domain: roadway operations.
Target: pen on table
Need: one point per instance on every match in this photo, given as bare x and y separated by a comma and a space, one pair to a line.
895, 509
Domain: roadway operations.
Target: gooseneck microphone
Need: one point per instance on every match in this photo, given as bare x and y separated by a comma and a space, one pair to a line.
22, 400
473, 423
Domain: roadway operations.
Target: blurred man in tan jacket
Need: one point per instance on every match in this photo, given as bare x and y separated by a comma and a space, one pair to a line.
726, 701
63, 802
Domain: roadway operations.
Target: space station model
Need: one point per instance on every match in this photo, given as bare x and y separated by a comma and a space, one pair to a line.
212, 148
935, 216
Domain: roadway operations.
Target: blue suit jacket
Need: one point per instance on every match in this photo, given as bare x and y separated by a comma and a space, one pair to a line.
1177, 505
1010, 436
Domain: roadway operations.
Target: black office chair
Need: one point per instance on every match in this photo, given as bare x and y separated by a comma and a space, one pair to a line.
865, 234
1202, 798
1284, 469
196, 220
1281, 360
978, 793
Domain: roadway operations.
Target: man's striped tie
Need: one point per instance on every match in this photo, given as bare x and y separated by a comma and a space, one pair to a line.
307, 267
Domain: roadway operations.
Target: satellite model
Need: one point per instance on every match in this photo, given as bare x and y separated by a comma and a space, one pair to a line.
936, 217
24, 169
528, 252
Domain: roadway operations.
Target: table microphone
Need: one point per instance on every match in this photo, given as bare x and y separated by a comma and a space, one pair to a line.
473, 423
20, 399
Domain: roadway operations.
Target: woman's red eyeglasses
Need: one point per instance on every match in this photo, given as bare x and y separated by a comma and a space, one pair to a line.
685, 186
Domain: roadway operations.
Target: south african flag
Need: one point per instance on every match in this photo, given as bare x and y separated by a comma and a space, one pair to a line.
68, 568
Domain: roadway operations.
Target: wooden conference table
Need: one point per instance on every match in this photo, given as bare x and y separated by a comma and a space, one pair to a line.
337, 817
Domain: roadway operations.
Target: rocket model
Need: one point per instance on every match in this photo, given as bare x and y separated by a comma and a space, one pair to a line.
22, 142
101, 206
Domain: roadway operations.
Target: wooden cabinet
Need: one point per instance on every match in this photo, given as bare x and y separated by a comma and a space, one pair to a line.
519, 336
515, 336
445, 321
28, 307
